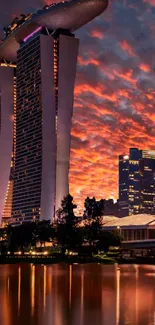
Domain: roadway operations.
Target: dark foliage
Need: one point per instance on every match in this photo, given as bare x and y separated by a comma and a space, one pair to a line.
64, 232
68, 234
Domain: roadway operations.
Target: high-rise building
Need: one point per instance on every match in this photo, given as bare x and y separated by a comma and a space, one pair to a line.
134, 181
147, 173
7, 109
137, 182
110, 207
36, 104
123, 184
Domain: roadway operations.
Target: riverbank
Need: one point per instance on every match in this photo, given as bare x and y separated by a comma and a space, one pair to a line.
15, 259
51, 259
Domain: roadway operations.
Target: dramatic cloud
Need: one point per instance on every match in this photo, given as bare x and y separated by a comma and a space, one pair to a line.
114, 93
114, 96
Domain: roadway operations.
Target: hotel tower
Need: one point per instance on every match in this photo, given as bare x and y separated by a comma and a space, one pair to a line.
37, 74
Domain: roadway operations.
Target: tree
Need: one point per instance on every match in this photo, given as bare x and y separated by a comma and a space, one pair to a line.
20, 236
3, 240
68, 234
3, 235
93, 209
107, 239
44, 232
93, 213
28, 233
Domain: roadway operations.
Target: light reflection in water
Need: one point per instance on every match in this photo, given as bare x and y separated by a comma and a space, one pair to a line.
32, 289
19, 288
50, 280
70, 285
82, 295
8, 284
77, 295
136, 296
117, 296
45, 286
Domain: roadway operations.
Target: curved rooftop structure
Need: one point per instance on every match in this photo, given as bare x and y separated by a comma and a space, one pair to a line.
68, 15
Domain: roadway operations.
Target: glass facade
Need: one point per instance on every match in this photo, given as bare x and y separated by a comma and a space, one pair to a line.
137, 182
134, 181
42, 91
123, 185
7, 211
147, 171
28, 132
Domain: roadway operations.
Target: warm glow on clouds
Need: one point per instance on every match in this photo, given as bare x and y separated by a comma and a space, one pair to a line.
144, 67
114, 97
125, 46
97, 34
151, 2
83, 61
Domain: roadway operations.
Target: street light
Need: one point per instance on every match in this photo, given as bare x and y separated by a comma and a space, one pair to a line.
119, 229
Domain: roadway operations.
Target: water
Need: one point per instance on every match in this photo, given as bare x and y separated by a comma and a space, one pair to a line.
77, 295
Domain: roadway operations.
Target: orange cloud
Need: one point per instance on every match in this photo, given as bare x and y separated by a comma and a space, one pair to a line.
125, 46
97, 34
144, 67
85, 62
127, 76
151, 2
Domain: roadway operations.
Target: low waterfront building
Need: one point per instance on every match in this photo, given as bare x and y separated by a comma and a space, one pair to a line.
132, 228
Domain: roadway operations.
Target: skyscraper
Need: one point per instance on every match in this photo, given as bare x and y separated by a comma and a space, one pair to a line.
136, 182
7, 108
36, 105
147, 173
123, 184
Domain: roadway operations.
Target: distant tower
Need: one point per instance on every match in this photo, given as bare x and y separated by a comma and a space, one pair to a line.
123, 185
137, 182
147, 172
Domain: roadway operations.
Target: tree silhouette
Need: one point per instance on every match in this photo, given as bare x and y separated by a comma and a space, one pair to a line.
107, 239
68, 235
44, 232
93, 213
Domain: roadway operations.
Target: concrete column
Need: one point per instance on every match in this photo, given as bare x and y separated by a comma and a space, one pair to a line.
68, 51
48, 129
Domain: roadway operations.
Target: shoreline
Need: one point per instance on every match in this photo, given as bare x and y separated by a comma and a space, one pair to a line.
53, 260
11, 259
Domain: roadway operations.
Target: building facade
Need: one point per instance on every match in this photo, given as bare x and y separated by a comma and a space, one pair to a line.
40, 141
7, 100
111, 207
147, 173
136, 182
123, 185
130, 228
36, 106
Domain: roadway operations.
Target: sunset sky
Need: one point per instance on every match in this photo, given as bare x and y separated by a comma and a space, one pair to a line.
114, 92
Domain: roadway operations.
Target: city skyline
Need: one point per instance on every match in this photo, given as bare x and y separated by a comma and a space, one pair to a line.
114, 85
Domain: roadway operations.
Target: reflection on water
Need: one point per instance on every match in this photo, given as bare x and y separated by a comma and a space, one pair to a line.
77, 295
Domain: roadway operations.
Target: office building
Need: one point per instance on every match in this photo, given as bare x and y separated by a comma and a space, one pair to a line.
147, 173
111, 207
123, 185
136, 182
